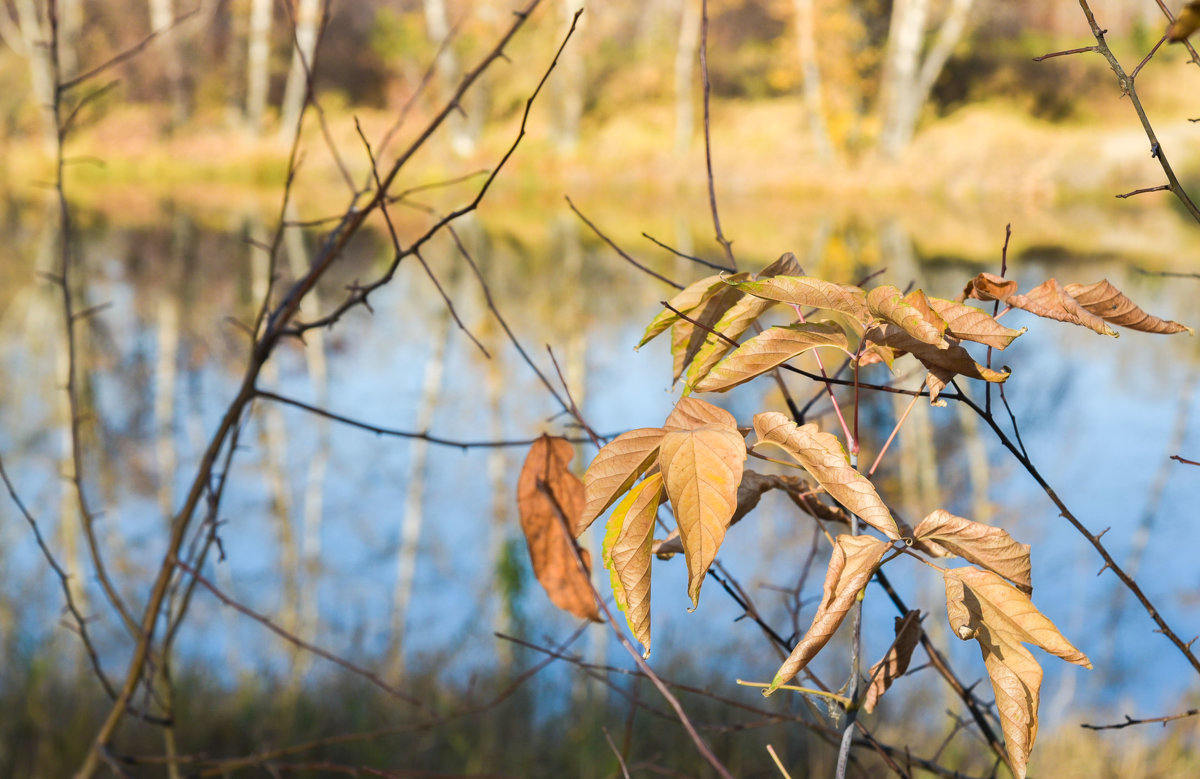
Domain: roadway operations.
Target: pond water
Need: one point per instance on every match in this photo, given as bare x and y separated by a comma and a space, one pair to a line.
407, 556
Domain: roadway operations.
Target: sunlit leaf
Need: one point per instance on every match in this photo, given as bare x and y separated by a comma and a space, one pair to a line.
822, 455
810, 292
989, 286
1051, 301
770, 349
702, 468
955, 359
968, 323
692, 412
786, 265
627, 554
549, 500
984, 545
888, 303
851, 566
895, 662
614, 470
691, 296
736, 321
687, 338
983, 606
1186, 23
1107, 302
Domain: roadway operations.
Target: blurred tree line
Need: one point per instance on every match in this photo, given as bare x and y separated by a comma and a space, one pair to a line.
867, 71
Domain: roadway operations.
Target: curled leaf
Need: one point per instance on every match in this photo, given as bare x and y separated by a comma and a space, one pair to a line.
770, 349
968, 323
895, 662
822, 455
615, 469
953, 360
1051, 301
889, 304
550, 499
984, 545
810, 292
989, 286
1186, 23
1107, 302
851, 566
702, 468
627, 554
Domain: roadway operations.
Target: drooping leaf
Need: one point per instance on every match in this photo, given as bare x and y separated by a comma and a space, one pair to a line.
614, 470
895, 662
954, 359
810, 292
889, 304
770, 349
984, 545
968, 323
786, 265
736, 321
687, 299
1051, 301
1107, 302
983, 606
822, 455
851, 566
687, 338
937, 380
691, 413
989, 286
550, 500
627, 554
702, 468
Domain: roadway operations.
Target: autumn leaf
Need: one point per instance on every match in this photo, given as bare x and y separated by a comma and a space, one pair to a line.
895, 662
851, 566
1051, 301
626, 554
1107, 302
691, 296
770, 349
989, 286
968, 323
808, 291
888, 303
955, 359
702, 468
1186, 23
736, 321
823, 457
550, 499
614, 470
984, 545
983, 606
691, 412
687, 338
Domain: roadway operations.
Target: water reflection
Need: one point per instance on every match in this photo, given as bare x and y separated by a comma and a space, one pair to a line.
402, 553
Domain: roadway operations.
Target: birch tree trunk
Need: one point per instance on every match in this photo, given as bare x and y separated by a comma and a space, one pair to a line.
28, 36
162, 14
437, 25
258, 62
814, 103
685, 68
305, 46
569, 85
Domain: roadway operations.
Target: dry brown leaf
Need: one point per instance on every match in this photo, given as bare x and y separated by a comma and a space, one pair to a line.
1107, 302
955, 359
614, 470
823, 457
808, 291
688, 298
545, 487
988, 286
1051, 301
687, 338
702, 468
691, 412
983, 606
626, 554
895, 662
786, 265
851, 566
889, 304
984, 545
968, 323
736, 321
770, 349
1186, 23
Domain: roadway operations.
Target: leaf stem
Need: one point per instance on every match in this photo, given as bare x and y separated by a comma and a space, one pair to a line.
843, 700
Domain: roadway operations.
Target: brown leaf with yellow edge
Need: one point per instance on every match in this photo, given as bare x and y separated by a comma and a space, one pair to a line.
1051, 301
687, 338
983, 606
770, 349
1186, 23
810, 292
968, 323
822, 455
851, 566
989, 286
954, 359
688, 298
626, 554
702, 468
895, 662
984, 545
1110, 304
692, 412
545, 488
736, 321
614, 470
888, 303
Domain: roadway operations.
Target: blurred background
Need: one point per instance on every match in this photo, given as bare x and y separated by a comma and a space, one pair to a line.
830, 139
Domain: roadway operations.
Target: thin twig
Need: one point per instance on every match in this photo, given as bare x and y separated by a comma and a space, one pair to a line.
618, 249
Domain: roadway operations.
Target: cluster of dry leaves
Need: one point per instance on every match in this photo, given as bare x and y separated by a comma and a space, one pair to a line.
695, 460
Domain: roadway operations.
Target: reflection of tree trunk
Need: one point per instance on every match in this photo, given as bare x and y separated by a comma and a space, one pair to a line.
569, 86
305, 46
166, 373
162, 14
907, 78
258, 62
685, 65
437, 25
814, 103
29, 38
